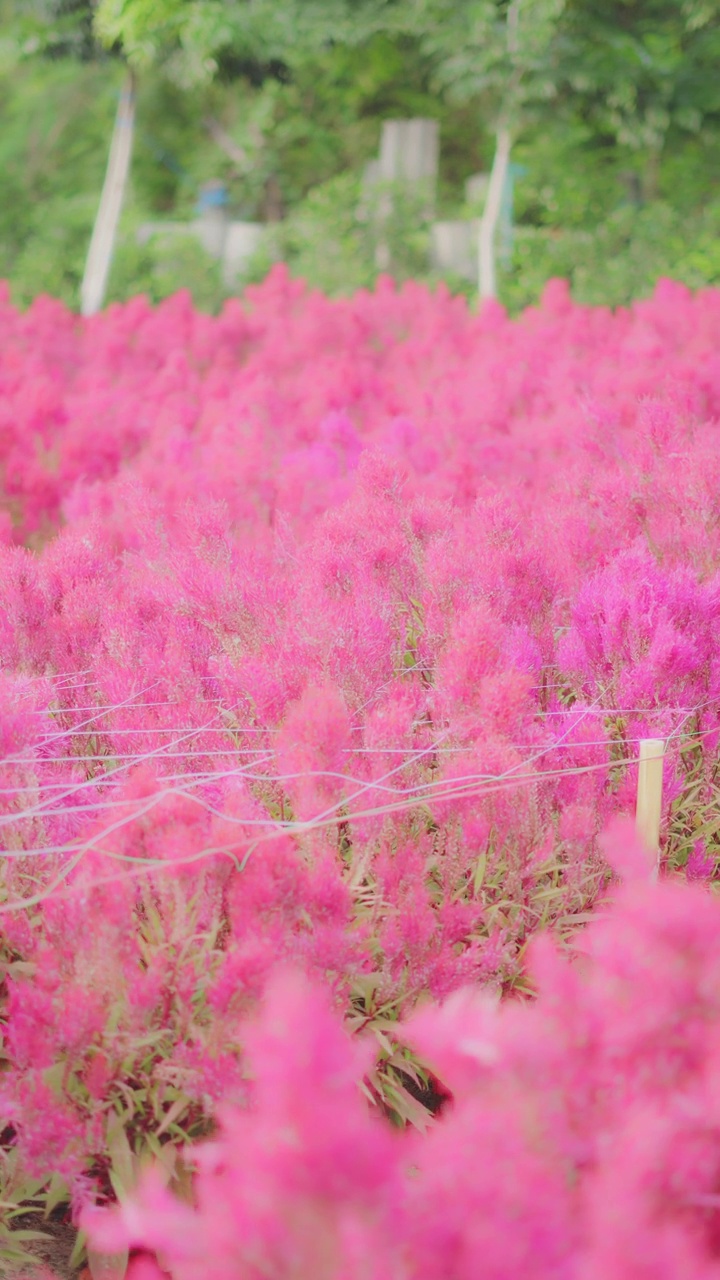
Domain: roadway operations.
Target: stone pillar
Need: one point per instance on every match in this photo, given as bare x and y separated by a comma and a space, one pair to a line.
241, 241
409, 155
409, 151
454, 248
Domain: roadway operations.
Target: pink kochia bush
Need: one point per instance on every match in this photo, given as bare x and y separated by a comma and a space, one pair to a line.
582, 1140
327, 634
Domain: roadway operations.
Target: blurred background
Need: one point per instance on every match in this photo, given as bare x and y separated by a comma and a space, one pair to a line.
352, 137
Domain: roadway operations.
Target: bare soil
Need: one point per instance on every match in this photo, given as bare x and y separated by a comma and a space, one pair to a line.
53, 1254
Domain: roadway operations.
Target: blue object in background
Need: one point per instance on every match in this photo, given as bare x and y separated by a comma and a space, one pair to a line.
212, 195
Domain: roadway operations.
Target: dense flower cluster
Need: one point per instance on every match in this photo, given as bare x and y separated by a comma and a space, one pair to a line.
582, 1141
327, 634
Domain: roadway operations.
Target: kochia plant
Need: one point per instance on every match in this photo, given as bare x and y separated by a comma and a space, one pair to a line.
582, 1139
327, 635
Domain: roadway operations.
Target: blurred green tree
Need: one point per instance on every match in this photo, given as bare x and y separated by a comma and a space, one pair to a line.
610, 96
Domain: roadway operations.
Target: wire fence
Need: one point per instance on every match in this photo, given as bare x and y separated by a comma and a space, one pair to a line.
358, 801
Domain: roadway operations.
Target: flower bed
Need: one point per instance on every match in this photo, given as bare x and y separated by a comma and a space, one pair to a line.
582, 1140
328, 631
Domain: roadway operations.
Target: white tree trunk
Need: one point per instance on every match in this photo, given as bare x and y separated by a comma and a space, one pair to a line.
102, 244
491, 214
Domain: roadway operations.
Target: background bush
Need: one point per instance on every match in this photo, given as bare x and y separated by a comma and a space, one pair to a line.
584, 206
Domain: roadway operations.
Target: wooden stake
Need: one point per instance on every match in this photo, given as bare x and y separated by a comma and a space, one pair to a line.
649, 794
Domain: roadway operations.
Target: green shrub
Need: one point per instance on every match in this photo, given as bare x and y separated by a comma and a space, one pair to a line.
621, 259
164, 265
333, 237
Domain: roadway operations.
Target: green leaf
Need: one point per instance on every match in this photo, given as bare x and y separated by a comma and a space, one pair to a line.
122, 1173
57, 1193
27, 1234
181, 1104
78, 1251
479, 875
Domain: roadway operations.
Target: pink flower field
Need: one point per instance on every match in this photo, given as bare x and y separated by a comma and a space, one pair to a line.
328, 634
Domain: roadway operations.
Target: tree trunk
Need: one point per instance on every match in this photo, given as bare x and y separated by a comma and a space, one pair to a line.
102, 244
491, 213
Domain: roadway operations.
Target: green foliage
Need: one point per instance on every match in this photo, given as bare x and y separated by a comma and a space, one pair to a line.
145, 1116
331, 238
325, 121
621, 259
646, 71
500, 51
294, 136
162, 266
52, 28
53, 152
694, 813
53, 252
191, 39
618, 102
19, 1196
322, 240
576, 218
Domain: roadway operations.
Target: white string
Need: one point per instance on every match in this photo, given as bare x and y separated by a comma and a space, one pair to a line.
412, 796
227, 849
55, 737
91, 782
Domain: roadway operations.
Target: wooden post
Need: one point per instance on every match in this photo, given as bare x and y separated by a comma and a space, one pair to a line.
649, 795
